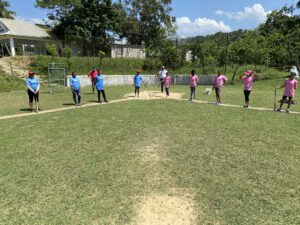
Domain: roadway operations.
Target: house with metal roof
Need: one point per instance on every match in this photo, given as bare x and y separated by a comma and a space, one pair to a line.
24, 38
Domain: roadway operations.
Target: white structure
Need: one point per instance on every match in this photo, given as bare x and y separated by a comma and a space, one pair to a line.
127, 51
189, 56
24, 38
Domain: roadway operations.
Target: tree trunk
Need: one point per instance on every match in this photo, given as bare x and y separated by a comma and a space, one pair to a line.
232, 79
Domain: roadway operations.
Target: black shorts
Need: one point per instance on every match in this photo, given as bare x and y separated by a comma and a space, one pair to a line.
218, 91
93, 80
247, 94
32, 96
285, 97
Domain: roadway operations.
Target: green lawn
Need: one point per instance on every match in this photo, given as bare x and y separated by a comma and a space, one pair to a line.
92, 165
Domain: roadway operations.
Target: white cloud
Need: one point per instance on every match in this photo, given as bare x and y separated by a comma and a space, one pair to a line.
255, 13
201, 26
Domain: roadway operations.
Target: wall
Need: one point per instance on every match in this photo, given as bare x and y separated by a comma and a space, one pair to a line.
115, 80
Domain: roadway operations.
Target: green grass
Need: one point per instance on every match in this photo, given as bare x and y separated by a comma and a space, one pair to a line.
85, 166
8, 83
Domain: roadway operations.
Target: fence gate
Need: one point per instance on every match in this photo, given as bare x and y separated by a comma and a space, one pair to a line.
56, 77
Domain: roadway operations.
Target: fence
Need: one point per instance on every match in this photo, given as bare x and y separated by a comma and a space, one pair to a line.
118, 80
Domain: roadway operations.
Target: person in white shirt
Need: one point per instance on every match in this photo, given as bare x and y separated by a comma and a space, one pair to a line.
162, 74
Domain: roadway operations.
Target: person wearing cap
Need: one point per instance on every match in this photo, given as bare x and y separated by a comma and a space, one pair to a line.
219, 81
138, 80
92, 75
100, 86
75, 87
248, 78
162, 74
193, 81
295, 71
290, 85
33, 87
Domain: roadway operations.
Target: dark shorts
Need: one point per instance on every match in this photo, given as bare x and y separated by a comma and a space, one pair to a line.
218, 91
287, 97
93, 80
247, 94
32, 96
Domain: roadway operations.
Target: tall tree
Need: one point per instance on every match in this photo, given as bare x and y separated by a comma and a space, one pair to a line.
148, 22
90, 23
4, 11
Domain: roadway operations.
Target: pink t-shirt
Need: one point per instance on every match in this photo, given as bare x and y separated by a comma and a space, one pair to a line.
194, 80
290, 87
248, 82
220, 80
168, 81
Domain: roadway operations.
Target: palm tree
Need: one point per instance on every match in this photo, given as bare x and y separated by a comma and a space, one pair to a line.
4, 11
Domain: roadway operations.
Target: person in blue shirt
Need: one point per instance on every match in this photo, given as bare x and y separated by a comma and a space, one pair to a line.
138, 80
100, 86
75, 87
33, 88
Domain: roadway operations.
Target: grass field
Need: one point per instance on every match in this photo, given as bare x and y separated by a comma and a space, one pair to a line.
111, 164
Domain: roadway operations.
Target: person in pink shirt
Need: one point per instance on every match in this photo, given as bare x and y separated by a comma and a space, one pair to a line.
248, 79
290, 85
92, 75
168, 81
194, 80
219, 81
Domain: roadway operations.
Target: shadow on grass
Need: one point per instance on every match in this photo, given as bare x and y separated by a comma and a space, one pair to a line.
68, 104
25, 110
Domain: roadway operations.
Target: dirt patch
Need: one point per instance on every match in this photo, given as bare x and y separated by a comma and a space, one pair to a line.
19, 65
166, 210
150, 153
151, 95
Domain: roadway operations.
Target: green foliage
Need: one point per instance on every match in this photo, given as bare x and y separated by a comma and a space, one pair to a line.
4, 11
52, 50
9, 83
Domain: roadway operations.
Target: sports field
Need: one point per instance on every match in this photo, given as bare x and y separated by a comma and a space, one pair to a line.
157, 161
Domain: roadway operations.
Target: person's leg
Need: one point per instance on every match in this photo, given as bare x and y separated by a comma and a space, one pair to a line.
36, 98
281, 103
135, 91
161, 85
104, 96
218, 95
289, 104
79, 96
167, 92
191, 88
138, 91
74, 97
30, 96
194, 92
247, 99
99, 96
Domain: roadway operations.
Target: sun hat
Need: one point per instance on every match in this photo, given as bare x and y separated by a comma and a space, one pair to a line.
295, 71
248, 73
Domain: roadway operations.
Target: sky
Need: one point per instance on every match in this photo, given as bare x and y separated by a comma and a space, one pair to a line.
193, 17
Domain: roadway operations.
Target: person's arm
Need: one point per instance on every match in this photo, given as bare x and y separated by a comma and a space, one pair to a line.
37, 89
28, 86
296, 85
242, 76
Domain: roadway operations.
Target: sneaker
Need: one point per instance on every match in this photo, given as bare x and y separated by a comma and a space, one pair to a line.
246, 106
106, 101
278, 110
287, 111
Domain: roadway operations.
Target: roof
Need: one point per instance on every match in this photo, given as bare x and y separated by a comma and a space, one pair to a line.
22, 29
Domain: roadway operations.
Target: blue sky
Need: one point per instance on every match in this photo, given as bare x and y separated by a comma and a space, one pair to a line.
194, 17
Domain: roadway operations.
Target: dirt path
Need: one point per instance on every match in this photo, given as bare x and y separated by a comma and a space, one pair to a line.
146, 95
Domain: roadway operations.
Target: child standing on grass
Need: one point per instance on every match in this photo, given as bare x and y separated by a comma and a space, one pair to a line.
219, 81
92, 75
33, 88
290, 85
194, 80
248, 79
168, 81
100, 86
138, 80
75, 87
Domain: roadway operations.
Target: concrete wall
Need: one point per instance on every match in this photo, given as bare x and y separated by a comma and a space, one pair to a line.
116, 80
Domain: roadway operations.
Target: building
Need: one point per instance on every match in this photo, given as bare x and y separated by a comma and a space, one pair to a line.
127, 51
24, 38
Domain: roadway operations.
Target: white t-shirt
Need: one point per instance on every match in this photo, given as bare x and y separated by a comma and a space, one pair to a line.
163, 74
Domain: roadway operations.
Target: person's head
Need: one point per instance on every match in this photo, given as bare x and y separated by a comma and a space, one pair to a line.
193, 72
167, 74
163, 67
138, 72
292, 76
99, 72
248, 73
31, 74
73, 74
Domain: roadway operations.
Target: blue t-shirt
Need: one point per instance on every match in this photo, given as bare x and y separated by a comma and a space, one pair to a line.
33, 83
138, 80
75, 83
99, 82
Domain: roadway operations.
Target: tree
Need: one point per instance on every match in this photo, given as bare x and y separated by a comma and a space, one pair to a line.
89, 23
52, 50
298, 4
148, 22
5, 12
67, 52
